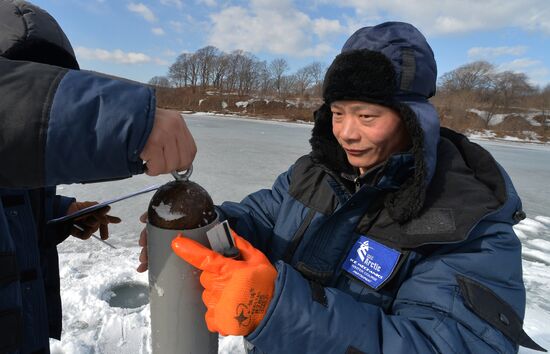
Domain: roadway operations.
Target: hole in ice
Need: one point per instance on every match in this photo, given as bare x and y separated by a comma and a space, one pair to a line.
127, 295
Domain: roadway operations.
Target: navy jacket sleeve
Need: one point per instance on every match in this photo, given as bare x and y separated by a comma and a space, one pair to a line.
429, 314
64, 126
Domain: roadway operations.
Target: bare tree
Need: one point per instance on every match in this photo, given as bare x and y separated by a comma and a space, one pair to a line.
545, 99
159, 81
178, 73
511, 86
288, 82
545, 109
232, 72
248, 68
193, 64
206, 58
219, 70
473, 76
303, 79
264, 78
317, 70
278, 67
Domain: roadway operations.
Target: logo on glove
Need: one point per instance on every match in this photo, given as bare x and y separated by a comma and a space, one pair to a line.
243, 315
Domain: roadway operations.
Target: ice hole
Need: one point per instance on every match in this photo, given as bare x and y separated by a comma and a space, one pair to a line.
128, 295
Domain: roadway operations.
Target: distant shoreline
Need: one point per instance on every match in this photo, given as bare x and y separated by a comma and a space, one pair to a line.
473, 136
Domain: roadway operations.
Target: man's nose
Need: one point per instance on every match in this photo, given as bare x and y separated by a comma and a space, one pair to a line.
349, 128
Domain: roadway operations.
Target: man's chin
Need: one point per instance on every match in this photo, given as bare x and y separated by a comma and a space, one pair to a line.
360, 163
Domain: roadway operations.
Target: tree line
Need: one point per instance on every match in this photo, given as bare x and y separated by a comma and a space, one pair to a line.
481, 85
242, 73
478, 84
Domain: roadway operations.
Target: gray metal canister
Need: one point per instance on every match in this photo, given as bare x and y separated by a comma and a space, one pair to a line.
177, 310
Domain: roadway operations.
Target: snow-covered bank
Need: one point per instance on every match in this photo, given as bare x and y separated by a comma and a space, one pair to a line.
489, 135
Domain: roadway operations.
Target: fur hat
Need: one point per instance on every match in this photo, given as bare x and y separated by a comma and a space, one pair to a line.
362, 75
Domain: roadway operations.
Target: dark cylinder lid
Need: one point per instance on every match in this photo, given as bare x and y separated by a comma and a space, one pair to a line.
181, 205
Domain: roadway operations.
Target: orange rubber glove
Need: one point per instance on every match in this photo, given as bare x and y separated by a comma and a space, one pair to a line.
236, 293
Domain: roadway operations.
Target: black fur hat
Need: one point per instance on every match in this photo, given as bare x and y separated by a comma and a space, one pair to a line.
362, 75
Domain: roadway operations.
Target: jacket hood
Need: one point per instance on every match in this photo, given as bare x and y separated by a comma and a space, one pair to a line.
390, 64
30, 33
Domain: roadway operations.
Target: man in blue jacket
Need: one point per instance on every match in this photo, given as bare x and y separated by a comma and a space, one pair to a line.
392, 236
62, 125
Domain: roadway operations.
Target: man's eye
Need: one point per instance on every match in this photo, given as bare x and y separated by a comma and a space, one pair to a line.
337, 115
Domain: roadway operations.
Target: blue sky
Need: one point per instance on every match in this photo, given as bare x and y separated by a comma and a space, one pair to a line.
139, 39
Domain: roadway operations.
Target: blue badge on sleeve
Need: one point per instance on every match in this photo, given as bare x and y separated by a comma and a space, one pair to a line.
371, 262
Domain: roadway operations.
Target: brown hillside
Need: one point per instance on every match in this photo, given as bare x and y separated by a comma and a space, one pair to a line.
293, 109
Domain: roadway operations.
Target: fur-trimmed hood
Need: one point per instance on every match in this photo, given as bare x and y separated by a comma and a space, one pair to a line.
30, 33
390, 64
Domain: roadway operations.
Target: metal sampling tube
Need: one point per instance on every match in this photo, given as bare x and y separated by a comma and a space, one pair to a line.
177, 311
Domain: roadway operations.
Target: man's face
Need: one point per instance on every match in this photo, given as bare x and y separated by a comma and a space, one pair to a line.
369, 133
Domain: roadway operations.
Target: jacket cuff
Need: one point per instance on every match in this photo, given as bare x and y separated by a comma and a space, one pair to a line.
281, 268
136, 163
60, 207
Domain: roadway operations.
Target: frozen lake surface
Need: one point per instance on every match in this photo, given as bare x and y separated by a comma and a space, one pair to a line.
238, 156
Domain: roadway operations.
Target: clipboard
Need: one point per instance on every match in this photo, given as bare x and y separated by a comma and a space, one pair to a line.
98, 206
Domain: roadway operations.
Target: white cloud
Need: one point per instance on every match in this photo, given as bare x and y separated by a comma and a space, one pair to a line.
493, 52
157, 31
272, 26
169, 53
114, 56
143, 11
176, 3
319, 50
161, 62
323, 27
519, 64
443, 17
450, 24
176, 26
209, 3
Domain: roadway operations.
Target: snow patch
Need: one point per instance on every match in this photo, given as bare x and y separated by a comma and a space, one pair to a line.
159, 290
499, 118
483, 134
543, 220
163, 211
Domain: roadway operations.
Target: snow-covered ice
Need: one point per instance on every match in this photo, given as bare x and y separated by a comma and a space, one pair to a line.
234, 159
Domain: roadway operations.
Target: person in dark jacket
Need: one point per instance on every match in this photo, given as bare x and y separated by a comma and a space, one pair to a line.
59, 124
392, 236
